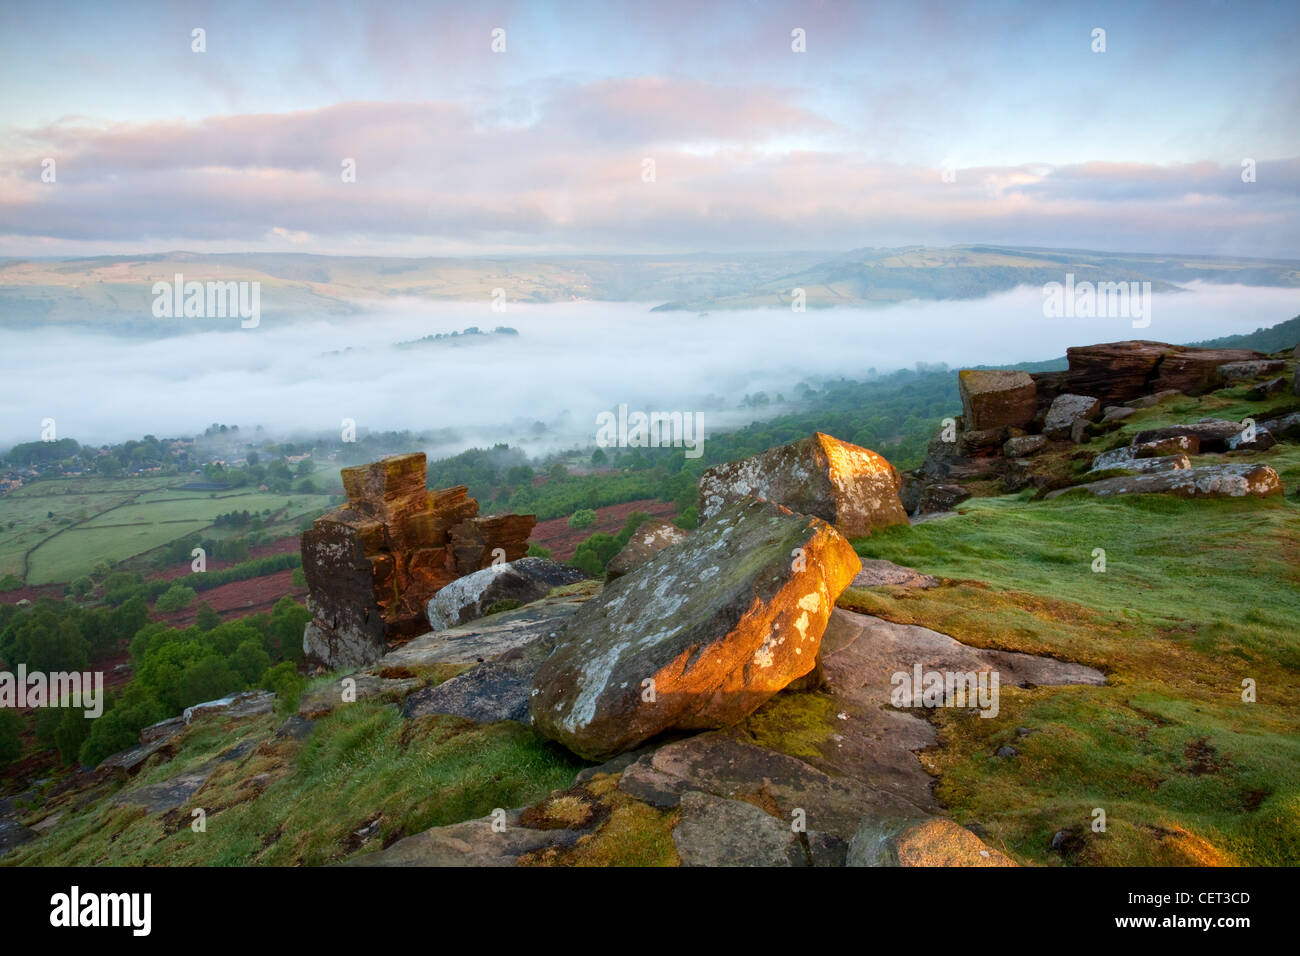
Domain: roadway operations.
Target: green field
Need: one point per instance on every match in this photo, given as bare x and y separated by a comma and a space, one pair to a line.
114, 519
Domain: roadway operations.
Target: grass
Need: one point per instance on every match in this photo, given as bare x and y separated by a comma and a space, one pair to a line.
291, 803
1196, 597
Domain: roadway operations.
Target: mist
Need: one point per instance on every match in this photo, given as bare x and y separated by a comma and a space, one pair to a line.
569, 362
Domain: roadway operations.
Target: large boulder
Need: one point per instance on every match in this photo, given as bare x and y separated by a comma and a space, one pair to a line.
1067, 409
697, 637
996, 398
1023, 446
650, 537
1209, 481
852, 488
522, 581
926, 841
937, 499
373, 564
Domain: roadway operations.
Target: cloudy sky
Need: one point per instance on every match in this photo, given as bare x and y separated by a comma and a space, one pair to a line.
545, 147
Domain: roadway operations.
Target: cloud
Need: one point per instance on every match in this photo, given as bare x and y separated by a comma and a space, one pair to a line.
734, 167
568, 363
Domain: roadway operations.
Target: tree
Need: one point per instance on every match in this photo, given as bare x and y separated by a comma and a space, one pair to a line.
206, 618
11, 744
598, 457
81, 586
126, 619
121, 585
288, 620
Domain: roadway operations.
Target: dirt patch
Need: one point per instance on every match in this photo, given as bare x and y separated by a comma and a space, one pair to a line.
1203, 758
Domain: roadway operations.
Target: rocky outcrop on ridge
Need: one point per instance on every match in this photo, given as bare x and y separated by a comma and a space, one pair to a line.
1010, 418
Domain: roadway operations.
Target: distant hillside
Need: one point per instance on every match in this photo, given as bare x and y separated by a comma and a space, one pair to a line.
1284, 335
118, 289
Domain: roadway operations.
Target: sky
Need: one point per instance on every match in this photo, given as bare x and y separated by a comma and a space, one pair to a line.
647, 127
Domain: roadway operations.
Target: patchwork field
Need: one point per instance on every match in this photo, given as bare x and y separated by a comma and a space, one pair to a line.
54, 531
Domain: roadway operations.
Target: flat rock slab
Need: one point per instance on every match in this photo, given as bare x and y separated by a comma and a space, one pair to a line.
491, 691
1213, 435
330, 697
251, 703
1208, 481
128, 762
472, 843
874, 741
877, 572
714, 831
1147, 465
699, 636
167, 794
1242, 371
485, 639
725, 764
13, 834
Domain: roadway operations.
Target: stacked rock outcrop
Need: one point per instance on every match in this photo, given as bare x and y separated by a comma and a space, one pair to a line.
373, 564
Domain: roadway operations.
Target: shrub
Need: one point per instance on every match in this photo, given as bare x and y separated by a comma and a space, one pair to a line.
286, 683
594, 553
175, 598
582, 518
